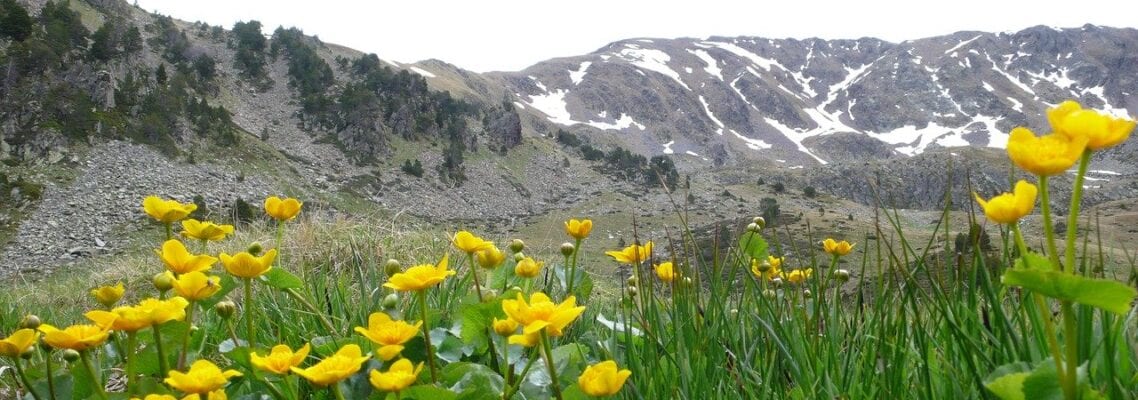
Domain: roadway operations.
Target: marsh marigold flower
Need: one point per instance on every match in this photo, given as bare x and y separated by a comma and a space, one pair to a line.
469, 243
799, 275
280, 359
1046, 155
389, 334
125, 318
75, 337
1101, 130
770, 269
1008, 208
167, 211
18, 342
196, 285
490, 258
526, 340
602, 379
203, 377
528, 268
108, 295
420, 277
245, 265
194, 229
401, 375
505, 327
180, 261
837, 248
282, 209
579, 229
540, 313
666, 272
633, 254
335, 368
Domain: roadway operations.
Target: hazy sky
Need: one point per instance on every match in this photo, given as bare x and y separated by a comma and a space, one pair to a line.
488, 35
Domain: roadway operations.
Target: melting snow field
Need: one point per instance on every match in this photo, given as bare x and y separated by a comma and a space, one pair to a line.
578, 76
712, 64
621, 123
422, 72
553, 105
668, 147
652, 60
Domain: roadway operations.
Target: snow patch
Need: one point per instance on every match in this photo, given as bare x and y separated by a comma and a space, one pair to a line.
988, 86
652, 60
579, 75
422, 72
795, 167
753, 144
707, 110
553, 105
519, 105
756, 59
1016, 105
712, 64
913, 139
668, 147
691, 153
1104, 172
962, 44
794, 136
621, 123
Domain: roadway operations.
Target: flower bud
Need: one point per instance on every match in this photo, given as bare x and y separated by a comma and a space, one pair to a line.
519, 256
770, 294
392, 267
632, 281
632, 291
517, 246
515, 288
505, 327
687, 281
27, 354
31, 321
567, 249
734, 312
753, 227
391, 301
164, 281
255, 249
764, 266
760, 221
776, 282
225, 308
70, 355
842, 275
807, 293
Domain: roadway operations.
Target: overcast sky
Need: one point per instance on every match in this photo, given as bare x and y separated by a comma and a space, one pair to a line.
492, 35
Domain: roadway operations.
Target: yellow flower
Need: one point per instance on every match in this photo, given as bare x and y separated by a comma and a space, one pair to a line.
335, 368
420, 277
490, 258
19, 342
836, 248
633, 254
166, 211
1008, 208
108, 295
179, 260
199, 230
389, 334
541, 313
469, 243
196, 285
505, 327
282, 209
579, 229
280, 359
157, 397
528, 268
74, 337
666, 272
398, 377
602, 379
774, 270
245, 265
526, 340
776, 262
203, 377
1101, 130
1047, 155
125, 318
799, 275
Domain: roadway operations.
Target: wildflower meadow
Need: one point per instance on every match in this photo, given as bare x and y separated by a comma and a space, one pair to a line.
755, 317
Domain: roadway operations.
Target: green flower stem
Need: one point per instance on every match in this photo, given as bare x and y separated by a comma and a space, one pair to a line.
131, 342
163, 366
336, 391
1070, 335
250, 334
24, 379
1073, 212
50, 375
186, 337
95, 381
545, 345
1048, 328
169, 230
427, 335
1048, 228
474, 272
205, 246
573, 268
299, 297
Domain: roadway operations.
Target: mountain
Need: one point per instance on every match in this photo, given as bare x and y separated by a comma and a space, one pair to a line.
103, 103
